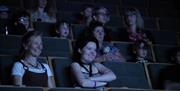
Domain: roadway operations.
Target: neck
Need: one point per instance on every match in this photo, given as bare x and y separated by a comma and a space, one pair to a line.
132, 28
40, 9
30, 59
100, 44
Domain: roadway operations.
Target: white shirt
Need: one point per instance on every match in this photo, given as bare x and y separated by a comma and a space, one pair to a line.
19, 70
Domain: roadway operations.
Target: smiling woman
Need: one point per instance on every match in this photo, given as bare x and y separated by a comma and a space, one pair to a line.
28, 71
89, 74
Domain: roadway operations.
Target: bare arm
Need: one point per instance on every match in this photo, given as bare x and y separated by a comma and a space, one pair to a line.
17, 80
50, 82
84, 82
107, 74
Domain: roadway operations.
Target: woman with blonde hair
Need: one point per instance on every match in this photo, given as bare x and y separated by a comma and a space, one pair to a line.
134, 27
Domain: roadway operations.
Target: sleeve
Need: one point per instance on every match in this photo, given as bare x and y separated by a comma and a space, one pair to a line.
49, 72
18, 69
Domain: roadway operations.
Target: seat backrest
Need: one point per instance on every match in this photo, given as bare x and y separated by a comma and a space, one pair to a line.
162, 52
56, 47
48, 29
6, 63
61, 67
154, 71
72, 89
10, 45
164, 37
4, 88
130, 75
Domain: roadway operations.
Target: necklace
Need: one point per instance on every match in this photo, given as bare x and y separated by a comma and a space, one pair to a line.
32, 65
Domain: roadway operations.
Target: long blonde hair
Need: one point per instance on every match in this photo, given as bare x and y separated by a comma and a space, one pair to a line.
139, 19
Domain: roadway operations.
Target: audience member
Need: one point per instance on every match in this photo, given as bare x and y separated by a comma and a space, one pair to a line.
106, 51
28, 71
140, 51
21, 23
44, 11
87, 73
101, 14
169, 76
134, 27
62, 30
85, 16
4, 20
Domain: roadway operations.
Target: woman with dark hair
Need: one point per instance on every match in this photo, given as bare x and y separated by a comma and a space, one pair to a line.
87, 73
106, 51
28, 71
44, 11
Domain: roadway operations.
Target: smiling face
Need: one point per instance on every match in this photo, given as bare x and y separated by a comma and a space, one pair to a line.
88, 52
63, 30
34, 46
99, 33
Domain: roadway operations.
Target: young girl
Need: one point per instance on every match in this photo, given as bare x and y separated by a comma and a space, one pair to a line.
87, 73
29, 71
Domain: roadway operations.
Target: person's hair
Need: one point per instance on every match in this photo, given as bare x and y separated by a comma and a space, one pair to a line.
173, 54
20, 13
137, 45
91, 28
85, 6
48, 9
135, 11
96, 10
80, 44
25, 40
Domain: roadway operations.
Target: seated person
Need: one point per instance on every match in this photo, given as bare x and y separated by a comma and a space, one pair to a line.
28, 71
44, 11
140, 51
21, 23
62, 30
106, 51
85, 16
4, 20
169, 77
133, 30
87, 73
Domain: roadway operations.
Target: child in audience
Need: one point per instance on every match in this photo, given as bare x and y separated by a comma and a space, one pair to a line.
140, 51
106, 51
28, 71
169, 76
63, 30
87, 73
44, 11
21, 23
134, 27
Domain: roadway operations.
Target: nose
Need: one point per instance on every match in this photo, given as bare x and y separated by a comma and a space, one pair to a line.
93, 53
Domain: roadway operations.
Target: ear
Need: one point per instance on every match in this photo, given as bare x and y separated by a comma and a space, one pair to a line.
79, 50
81, 13
134, 51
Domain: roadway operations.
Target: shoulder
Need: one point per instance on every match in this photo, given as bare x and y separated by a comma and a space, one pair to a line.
75, 64
18, 64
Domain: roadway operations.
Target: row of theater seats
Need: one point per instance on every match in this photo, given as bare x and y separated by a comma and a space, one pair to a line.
8, 88
131, 75
55, 47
